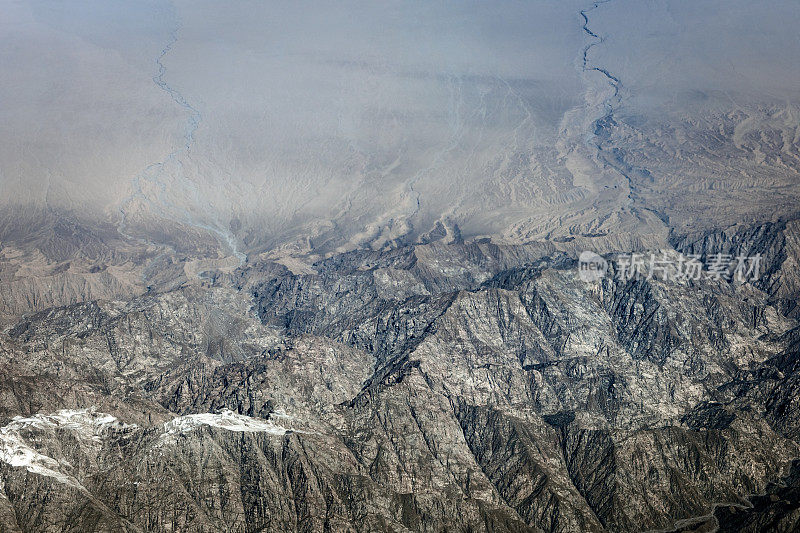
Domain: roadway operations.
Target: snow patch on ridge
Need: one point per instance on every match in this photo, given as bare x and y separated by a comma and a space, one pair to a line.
16, 451
84, 422
225, 419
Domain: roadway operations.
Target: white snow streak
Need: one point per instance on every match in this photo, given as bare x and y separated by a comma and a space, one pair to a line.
226, 419
18, 452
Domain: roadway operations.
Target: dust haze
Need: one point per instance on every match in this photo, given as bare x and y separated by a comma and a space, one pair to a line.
308, 128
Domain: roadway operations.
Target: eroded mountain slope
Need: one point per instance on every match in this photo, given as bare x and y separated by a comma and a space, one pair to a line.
460, 387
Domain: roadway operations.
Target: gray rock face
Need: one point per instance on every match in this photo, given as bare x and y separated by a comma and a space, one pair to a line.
438, 387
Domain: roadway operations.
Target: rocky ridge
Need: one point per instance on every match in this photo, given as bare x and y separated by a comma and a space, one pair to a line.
463, 386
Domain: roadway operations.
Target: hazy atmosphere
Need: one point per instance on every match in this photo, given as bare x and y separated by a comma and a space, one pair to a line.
399, 266
358, 124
